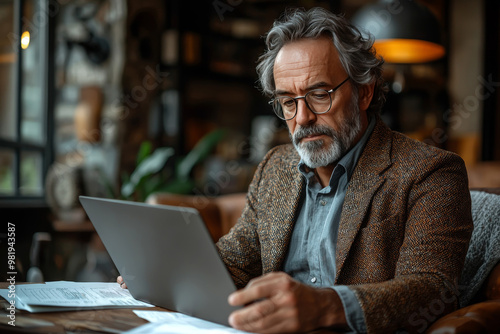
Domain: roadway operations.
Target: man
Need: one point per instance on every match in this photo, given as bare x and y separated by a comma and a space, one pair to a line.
384, 218
354, 227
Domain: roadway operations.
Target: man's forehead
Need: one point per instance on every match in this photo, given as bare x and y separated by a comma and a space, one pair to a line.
306, 62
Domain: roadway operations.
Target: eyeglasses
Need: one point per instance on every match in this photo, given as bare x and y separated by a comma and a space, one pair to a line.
319, 101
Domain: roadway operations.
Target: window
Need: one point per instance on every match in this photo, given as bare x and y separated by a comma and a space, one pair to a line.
25, 140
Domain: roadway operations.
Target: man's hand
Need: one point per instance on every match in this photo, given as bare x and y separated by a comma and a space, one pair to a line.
120, 281
279, 304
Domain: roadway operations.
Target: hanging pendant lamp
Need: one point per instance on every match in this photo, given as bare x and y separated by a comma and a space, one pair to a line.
405, 31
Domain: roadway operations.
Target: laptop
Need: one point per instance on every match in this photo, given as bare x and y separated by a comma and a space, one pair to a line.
166, 256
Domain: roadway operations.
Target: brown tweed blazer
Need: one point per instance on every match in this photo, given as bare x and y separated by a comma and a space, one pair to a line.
404, 229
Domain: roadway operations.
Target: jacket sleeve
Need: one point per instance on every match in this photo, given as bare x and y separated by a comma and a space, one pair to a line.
437, 229
240, 248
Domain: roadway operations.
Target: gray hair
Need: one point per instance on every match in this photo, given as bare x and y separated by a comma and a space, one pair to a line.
355, 52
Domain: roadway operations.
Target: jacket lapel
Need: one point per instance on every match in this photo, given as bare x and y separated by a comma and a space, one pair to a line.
366, 180
281, 215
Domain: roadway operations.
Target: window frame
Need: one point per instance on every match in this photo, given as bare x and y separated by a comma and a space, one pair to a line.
18, 145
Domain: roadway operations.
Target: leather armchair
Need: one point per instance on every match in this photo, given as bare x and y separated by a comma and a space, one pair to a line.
482, 316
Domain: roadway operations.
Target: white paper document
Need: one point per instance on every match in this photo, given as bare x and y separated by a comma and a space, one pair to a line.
178, 323
65, 296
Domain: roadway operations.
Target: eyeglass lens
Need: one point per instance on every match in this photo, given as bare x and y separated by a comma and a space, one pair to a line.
318, 100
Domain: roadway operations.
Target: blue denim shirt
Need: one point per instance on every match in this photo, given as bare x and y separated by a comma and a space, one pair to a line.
311, 254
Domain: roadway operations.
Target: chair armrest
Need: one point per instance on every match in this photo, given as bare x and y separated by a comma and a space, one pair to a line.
477, 318
231, 206
484, 174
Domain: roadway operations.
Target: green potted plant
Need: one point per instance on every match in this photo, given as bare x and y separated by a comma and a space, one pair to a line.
156, 172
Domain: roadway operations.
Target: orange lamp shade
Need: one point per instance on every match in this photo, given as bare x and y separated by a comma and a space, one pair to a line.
408, 50
404, 31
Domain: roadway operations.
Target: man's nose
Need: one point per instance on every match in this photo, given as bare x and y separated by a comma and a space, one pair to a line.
304, 115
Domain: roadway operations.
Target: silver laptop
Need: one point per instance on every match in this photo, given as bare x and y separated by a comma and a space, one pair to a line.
166, 255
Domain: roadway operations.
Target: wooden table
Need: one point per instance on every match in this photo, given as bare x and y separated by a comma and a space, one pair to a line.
85, 321
88, 321
91, 321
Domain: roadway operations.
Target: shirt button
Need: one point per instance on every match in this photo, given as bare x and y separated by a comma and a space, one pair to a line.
322, 202
313, 280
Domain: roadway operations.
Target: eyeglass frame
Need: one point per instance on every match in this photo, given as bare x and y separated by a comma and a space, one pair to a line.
307, 104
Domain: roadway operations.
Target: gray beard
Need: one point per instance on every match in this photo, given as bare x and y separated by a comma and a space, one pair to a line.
317, 153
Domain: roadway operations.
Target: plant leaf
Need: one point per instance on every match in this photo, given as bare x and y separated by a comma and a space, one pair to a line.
150, 165
199, 152
145, 150
150, 184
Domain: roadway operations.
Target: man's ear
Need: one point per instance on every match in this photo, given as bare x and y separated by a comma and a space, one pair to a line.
365, 96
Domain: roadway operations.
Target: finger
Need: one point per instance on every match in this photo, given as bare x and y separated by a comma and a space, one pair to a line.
247, 296
120, 281
264, 317
260, 288
252, 314
268, 278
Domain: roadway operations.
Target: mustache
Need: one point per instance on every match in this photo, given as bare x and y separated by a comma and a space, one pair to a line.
318, 129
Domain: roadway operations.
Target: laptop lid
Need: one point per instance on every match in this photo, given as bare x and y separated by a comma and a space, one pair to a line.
166, 256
